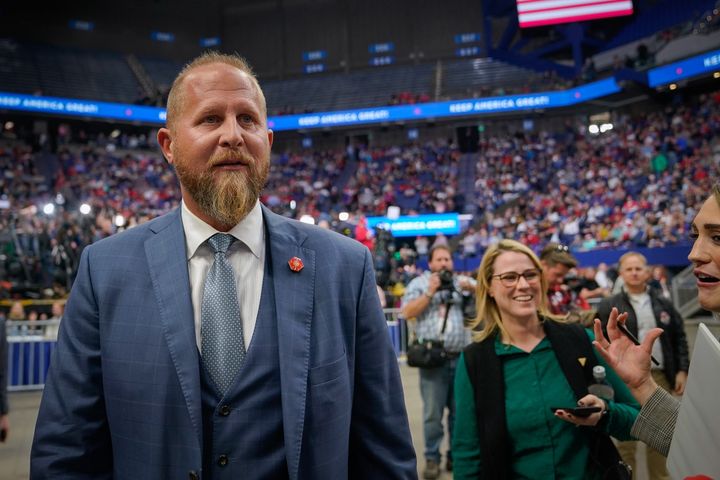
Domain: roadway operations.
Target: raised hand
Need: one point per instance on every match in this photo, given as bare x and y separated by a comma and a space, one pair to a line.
631, 362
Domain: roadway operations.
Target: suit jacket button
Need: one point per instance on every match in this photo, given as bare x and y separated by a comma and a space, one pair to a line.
222, 460
225, 410
192, 475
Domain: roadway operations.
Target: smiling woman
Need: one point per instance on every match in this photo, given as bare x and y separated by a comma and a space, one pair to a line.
524, 362
494, 312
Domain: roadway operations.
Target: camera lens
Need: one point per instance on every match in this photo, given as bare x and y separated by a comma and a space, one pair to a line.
446, 280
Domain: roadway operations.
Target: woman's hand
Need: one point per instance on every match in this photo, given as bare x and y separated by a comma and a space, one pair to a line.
631, 362
591, 420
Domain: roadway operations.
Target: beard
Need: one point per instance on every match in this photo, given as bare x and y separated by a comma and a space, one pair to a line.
226, 197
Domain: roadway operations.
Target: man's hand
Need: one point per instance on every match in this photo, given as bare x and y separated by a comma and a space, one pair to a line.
466, 284
418, 305
4, 427
631, 362
433, 284
680, 382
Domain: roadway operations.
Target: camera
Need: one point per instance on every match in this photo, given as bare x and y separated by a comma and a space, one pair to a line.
446, 280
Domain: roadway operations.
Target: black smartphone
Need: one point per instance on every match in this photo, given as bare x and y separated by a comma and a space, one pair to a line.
579, 411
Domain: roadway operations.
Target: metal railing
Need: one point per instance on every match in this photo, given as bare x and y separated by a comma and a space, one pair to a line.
30, 347
397, 328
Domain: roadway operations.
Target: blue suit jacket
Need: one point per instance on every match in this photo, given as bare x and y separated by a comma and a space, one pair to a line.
122, 399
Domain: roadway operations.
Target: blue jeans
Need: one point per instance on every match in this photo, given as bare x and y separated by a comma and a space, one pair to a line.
436, 389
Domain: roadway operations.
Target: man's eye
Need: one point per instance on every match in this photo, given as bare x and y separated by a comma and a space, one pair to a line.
246, 119
211, 119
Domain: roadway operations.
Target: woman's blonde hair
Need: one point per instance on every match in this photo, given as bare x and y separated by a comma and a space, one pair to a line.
487, 311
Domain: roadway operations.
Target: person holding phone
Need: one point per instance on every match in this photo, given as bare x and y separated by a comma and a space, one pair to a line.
522, 364
655, 424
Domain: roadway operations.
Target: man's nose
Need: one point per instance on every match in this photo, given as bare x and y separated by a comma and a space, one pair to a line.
231, 134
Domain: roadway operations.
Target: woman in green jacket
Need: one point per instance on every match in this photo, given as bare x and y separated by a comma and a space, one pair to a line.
523, 363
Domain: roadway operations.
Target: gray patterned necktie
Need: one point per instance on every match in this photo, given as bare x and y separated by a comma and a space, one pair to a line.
223, 345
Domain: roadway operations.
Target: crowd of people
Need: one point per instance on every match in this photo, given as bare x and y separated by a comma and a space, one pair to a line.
517, 374
42, 247
527, 308
637, 185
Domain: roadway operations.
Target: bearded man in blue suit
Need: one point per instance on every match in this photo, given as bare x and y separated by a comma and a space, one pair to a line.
132, 393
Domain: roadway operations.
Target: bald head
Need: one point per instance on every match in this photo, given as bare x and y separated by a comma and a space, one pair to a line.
176, 97
639, 256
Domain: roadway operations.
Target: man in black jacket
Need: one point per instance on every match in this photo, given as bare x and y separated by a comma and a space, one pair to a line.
647, 309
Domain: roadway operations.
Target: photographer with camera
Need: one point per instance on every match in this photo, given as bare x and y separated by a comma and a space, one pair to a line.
434, 303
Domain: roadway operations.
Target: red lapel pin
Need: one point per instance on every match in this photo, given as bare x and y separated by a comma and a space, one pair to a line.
296, 264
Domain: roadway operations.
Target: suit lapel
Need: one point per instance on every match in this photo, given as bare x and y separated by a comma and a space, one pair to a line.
294, 293
167, 262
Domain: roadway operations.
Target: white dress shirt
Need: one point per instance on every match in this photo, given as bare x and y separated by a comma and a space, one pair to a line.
247, 257
642, 304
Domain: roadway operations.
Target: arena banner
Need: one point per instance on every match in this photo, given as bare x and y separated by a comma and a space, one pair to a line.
443, 110
412, 226
82, 108
364, 116
706, 63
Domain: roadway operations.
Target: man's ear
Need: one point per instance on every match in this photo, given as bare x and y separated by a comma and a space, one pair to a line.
270, 137
164, 139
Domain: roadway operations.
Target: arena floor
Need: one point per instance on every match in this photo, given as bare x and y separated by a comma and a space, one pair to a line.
15, 453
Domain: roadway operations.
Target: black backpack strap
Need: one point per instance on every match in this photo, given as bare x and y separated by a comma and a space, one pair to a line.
486, 376
574, 352
577, 358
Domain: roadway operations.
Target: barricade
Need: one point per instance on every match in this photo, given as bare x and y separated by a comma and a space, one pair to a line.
30, 347
397, 328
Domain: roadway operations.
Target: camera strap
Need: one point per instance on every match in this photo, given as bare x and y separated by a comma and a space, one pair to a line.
448, 305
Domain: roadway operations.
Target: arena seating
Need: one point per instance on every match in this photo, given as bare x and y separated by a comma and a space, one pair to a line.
637, 185
64, 72
106, 76
469, 78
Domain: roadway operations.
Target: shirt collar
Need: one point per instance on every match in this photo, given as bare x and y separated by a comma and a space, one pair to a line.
503, 349
642, 294
249, 231
639, 297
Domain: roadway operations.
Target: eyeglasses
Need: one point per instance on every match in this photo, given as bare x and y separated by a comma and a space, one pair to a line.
510, 279
562, 248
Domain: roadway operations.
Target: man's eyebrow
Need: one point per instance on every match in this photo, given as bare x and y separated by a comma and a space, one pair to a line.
206, 109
